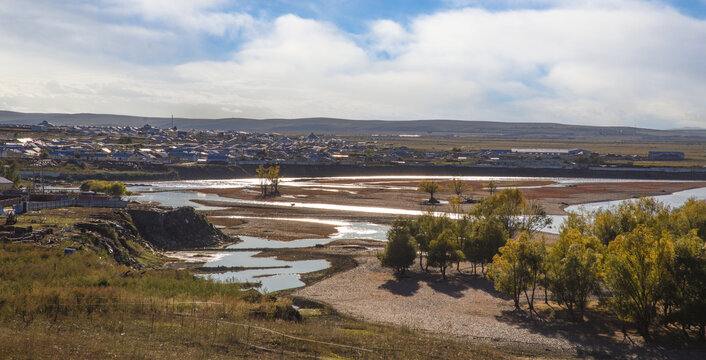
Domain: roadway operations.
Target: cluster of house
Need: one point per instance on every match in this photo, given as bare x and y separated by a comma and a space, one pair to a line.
149, 144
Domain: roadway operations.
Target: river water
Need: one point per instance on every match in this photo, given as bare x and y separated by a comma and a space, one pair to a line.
286, 275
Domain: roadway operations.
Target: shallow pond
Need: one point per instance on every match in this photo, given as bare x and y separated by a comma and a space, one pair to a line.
276, 279
273, 279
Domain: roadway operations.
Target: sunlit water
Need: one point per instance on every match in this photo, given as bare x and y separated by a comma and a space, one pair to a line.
179, 193
275, 279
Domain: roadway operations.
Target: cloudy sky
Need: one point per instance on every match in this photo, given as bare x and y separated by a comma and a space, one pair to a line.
598, 62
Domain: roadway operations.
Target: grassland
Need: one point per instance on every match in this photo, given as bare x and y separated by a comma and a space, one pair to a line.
85, 305
694, 151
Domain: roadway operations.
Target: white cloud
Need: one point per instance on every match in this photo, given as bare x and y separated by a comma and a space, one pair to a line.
589, 62
197, 15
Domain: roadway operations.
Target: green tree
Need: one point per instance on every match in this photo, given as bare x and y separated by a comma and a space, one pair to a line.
688, 294
623, 219
430, 187
443, 251
425, 229
400, 250
573, 274
428, 227
486, 238
116, 189
637, 269
11, 172
107, 187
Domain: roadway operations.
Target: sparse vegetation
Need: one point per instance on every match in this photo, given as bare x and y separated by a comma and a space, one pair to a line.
269, 180
112, 188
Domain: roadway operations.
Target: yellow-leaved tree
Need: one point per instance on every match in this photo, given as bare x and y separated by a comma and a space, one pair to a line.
637, 269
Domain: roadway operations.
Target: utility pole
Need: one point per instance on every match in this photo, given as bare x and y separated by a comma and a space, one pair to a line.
41, 175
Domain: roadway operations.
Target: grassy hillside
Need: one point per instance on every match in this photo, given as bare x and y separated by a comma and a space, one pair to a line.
482, 129
87, 305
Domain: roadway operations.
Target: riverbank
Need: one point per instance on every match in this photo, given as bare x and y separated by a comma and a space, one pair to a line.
199, 171
467, 307
212, 171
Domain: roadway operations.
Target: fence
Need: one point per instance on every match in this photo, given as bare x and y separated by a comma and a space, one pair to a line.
110, 203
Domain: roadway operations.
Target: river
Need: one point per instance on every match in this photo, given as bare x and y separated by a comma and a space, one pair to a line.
283, 274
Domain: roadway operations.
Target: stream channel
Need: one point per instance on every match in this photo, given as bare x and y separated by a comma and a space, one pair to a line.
275, 274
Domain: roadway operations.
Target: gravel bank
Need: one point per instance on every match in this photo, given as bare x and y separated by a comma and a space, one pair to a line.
466, 308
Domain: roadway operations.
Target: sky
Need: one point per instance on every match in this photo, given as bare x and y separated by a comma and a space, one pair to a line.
588, 62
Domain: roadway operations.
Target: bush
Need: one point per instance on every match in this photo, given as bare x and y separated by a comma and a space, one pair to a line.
114, 188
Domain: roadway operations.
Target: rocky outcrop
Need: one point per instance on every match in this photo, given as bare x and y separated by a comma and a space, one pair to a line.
175, 229
117, 237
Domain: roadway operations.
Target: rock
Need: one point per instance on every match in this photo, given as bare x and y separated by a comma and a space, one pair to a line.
176, 229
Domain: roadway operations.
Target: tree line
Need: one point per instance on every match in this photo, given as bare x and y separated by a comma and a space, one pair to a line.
442, 240
643, 259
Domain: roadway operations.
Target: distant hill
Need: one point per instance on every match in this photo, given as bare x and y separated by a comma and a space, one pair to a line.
479, 129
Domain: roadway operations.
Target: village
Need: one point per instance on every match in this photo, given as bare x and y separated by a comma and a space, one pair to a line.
152, 145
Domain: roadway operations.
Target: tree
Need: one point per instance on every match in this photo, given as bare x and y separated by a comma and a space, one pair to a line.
574, 270
431, 188
11, 172
274, 178
579, 222
507, 270
458, 186
114, 188
269, 180
455, 204
514, 212
400, 250
533, 259
491, 186
429, 227
486, 238
690, 216
688, 293
518, 268
623, 219
636, 272
443, 251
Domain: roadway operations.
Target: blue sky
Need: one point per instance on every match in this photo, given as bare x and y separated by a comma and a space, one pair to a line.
602, 62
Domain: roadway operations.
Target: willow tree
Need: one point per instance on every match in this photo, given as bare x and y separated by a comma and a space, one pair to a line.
458, 186
514, 212
574, 272
269, 180
517, 269
430, 187
444, 251
637, 270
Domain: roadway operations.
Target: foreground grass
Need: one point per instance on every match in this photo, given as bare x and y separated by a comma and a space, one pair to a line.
83, 305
